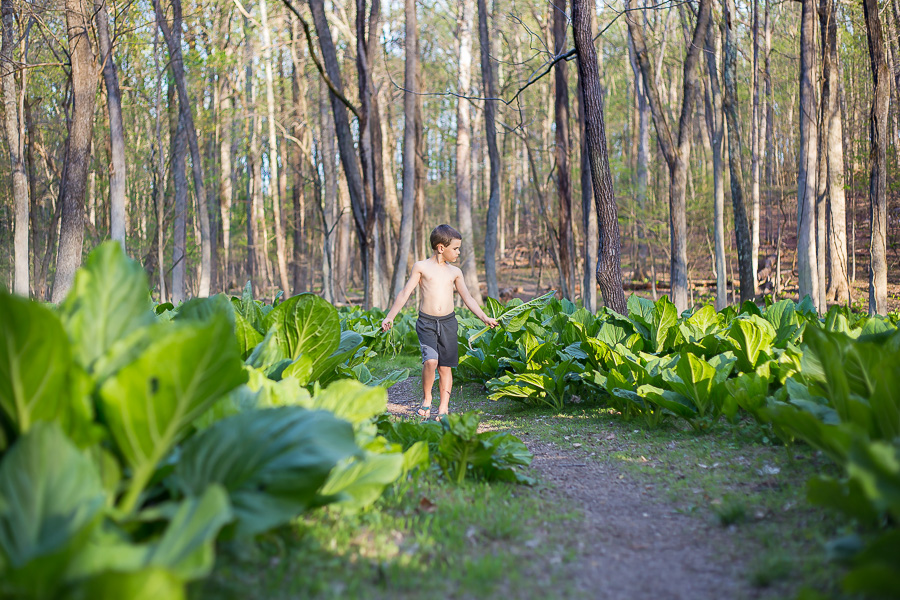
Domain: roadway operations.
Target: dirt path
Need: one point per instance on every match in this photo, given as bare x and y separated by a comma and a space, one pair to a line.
630, 544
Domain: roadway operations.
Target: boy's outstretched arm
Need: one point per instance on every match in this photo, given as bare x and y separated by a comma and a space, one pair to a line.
469, 301
402, 297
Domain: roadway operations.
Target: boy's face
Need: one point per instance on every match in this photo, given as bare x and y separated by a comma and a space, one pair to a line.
451, 252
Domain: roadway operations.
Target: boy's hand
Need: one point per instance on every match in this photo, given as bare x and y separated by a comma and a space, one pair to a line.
491, 322
387, 324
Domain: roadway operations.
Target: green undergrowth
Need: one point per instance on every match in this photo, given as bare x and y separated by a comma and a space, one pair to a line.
424, 538
734, 476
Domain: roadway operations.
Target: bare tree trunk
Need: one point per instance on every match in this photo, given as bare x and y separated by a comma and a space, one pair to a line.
838, 283
78, 156
878, 141
716, 125
277, 200
173, 41
563, 177
464, 148
419, 213
806, 177
179, 179
409, 148
345, 140
226, 188
641, 170
677, 154
754, 151
159, 196
117, 173
588, 214
609, 269
735, 167
15, 138
770, 126
490, 126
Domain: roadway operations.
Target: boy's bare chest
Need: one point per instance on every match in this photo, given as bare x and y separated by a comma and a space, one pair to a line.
438, 280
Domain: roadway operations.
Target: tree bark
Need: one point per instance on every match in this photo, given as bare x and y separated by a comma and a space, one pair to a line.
806, 177
15, 139
716, 127
588, 214
838, 283
78, 155
878, 141
754, 151
179, 235
410, 148
641, 164
609, 268
490, 126
345, 140
563, 176
117, 172
677, 153
277, 200
735, 166
172, 36
464, 148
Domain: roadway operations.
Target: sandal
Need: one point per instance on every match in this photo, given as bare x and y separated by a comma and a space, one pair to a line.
424, 411
440, 416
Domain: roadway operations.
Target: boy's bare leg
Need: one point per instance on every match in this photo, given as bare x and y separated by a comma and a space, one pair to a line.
428, 368
445, 385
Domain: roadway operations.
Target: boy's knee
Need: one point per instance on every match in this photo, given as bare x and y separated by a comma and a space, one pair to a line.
431, 364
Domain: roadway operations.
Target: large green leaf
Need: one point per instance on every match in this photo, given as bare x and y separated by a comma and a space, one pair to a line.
150, 404
694, 378
108, 300
50, 498
351, 401
271, 461
248, 337
38, 381
358, 482
148, 584
751, 339
349, 344
665, 316
305, 324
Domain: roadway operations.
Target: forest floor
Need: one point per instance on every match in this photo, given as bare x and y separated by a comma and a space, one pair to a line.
665, 513
618, 512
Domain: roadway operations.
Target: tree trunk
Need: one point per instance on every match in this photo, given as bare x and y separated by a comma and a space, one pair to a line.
716, 126
641, 164
15, 138
464, 148
563, 177
677, 156
117, 173
878, 141
735, 167
588, 214
78, 155
173, 41
159, 196
179, 180
838, 283
409, 148
345, 139
806, 177
609, 268
277, 199
490, 126
419, 213
754, 151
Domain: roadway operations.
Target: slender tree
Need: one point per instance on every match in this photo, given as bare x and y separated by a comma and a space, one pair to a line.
15, 141
735, 166
715, 123
878, 141
84, 71
184, 104
490, 127
464, 147
563, 177
410, 147
117, 173
806, 176
676, 152
609, 267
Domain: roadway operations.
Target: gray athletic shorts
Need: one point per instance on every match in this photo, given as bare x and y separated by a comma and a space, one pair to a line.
437, 338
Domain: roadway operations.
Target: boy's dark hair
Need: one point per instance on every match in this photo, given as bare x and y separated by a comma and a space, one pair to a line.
443, 234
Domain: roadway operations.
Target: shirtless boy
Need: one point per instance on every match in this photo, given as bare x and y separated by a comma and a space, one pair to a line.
436, 326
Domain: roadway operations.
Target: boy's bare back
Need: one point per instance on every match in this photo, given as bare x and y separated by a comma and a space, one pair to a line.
437, 281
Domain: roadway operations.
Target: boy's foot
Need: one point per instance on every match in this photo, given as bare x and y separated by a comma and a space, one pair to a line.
440, 416
424, 410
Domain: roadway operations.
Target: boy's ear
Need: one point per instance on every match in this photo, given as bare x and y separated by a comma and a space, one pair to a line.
439, 248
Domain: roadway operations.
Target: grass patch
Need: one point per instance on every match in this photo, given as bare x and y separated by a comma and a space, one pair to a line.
425, 537
382, 365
